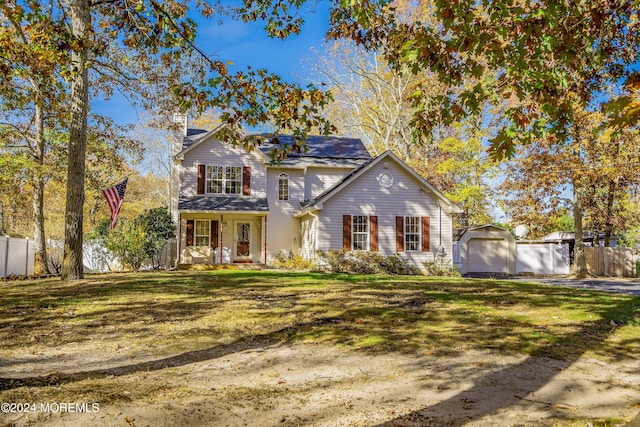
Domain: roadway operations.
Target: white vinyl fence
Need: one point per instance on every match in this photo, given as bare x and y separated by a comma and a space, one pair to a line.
542, 258
17, 256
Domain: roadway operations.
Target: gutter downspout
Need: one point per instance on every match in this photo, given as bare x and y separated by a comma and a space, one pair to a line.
440, 248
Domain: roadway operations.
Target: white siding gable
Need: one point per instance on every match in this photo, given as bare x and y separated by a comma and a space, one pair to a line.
407, 196
319, 179
213, 152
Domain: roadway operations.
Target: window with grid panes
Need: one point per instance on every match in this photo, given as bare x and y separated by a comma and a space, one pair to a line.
215, 179
412, 233
360, 232
202, 233
283, 186
233, 180
224, 179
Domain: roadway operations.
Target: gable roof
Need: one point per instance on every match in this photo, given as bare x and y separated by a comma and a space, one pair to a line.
321, 150
316, 202
459, 232
320, 147
196, 137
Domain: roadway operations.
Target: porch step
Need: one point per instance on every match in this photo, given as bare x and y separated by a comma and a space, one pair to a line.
207, 267
250, 266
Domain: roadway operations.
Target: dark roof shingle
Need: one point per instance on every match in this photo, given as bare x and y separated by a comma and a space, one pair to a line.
332, 147
223, 203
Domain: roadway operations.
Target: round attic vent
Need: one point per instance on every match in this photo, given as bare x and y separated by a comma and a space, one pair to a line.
385, 180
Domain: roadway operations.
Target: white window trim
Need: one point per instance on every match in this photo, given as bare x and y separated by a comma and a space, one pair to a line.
283, 176
239, 181
196, 235
224, 180
366, 233
418, 233
208, 180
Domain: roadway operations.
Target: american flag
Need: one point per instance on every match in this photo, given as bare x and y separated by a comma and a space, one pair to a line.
115, 197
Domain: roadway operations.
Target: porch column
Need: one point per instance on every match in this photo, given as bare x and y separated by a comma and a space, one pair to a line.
221, 235
179, 238
264, 237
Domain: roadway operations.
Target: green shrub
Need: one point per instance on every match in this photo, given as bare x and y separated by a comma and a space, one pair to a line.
441, 267
393, 264
362, 262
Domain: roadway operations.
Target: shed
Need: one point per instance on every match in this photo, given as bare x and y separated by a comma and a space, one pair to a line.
486, 249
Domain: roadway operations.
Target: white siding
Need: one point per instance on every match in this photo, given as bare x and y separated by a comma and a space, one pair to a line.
319, 179
308, 231
213, 152
283, 230
405, 197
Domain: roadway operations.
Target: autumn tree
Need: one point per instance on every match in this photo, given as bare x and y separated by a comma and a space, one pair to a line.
32, 92
372, 101
547, 57
593, 174
469, 169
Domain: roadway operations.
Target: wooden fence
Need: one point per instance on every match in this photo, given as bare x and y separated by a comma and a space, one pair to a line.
612, 262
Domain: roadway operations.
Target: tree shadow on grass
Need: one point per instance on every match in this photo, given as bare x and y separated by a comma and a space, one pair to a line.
394, 309
495, 391
251, 342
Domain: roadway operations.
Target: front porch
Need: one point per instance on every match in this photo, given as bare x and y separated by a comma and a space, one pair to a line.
211, 238
215, 267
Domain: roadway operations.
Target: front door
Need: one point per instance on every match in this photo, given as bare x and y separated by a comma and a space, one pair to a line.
243, 241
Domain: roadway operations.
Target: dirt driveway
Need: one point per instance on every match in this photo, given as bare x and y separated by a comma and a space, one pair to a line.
605, 284
623, 286
319, 385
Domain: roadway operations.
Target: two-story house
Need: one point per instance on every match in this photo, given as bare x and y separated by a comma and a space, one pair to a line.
234, 206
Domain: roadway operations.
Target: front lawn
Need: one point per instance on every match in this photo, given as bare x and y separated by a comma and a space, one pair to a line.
126, 324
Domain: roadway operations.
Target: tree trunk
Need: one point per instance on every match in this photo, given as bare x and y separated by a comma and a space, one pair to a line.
580, 263
41, 266
608, 229
72, 267
3, 230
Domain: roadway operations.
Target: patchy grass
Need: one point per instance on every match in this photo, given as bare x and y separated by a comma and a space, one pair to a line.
132, 325
197, 310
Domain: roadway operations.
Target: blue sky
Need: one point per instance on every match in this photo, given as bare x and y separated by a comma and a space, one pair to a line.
245, 45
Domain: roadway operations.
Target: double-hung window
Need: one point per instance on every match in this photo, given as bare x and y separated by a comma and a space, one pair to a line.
360, 232
215, 179
233, 180
412, 233
202, 235
224, 179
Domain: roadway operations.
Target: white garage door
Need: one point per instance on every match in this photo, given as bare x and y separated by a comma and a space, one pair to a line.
487, 256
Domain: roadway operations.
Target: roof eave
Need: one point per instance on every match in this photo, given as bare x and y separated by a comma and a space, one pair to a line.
204, 211
307, 210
